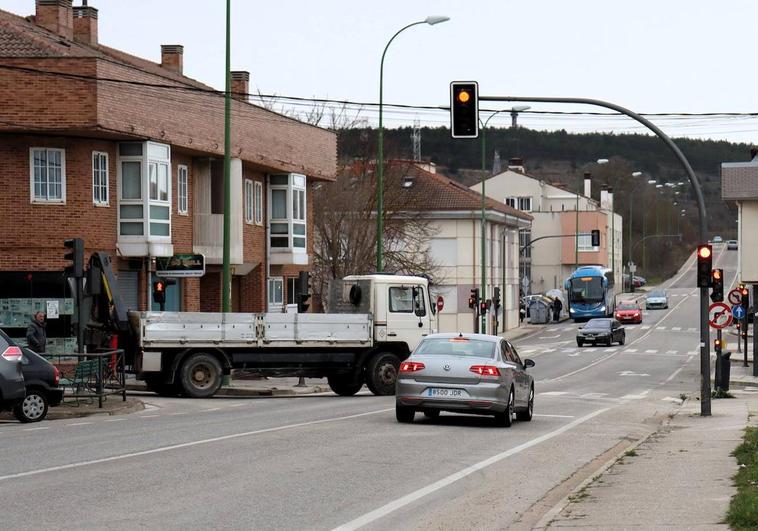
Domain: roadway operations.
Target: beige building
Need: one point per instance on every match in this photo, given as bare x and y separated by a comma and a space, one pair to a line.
558, 215
739, 182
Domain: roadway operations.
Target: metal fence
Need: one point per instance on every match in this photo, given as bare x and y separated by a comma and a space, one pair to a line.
94, 375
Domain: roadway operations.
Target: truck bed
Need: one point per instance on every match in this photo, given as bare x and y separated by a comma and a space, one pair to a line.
230, 330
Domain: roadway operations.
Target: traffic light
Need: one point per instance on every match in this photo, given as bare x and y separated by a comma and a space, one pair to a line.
704, 265
719, 345
159, 291
305, 292
595, 237
717, 285
76, 256
496, 298
483, 307
745, 297
473, 300
464, 109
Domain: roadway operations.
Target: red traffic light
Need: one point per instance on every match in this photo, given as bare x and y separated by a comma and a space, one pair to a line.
704, 252
160, 286
716, 274
744, 292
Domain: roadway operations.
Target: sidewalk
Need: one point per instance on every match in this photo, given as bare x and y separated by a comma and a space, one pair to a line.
678, 478
246, 386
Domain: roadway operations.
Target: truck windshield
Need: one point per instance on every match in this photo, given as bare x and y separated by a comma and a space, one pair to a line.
456, 346
586, 289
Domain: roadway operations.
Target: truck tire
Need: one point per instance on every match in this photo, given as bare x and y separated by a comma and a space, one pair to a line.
344, 384
200, 375
381, 373
156, 384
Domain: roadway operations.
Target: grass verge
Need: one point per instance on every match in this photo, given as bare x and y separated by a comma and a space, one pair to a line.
743, 509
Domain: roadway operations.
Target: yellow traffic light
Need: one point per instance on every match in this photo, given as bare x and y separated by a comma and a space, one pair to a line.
464, 96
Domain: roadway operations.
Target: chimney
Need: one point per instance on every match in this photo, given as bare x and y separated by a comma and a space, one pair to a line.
85, 25
241, 85
516, 164
172, 57
587, 184
56, 16
610, 200
604, 199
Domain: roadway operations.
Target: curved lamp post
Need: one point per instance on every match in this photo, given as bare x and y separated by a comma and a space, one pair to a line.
380, 148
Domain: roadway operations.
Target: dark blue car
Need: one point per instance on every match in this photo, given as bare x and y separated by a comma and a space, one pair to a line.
12, 387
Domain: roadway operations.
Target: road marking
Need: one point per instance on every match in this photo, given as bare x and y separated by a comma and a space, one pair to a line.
632, 373
672, 351
149, 416
692, 330
549, 350
673, 375
212, 409
190, 444
573, 355
676, 328
38, 428
609, 349
645, 327
636, 397
568, 350
240, 405
114, 420
660, 328
591, 349
554, 329
554, 416
592, 396
549, 337
401, 502
182, 413
553, 393
630, 350
651, 351
528, 350
599, 360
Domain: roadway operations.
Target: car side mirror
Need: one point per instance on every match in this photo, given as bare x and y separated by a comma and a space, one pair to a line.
528, 363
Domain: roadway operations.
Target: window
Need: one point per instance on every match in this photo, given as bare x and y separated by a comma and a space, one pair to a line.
585, 243
401, 300
47, 173
287, 212
248, 201
293, 288
258, 203
524, 239
146, 166
525, 204
510, 201
275, 292
181, 181
100, 178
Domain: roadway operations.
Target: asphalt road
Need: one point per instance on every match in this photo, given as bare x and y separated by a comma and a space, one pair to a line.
325, 462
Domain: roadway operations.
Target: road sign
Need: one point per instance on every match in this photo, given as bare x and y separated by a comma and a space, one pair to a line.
440, 303
180, 265
735, 297
719, 315
738, 312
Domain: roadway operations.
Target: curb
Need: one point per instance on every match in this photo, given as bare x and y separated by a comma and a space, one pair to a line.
132, 405
242, 391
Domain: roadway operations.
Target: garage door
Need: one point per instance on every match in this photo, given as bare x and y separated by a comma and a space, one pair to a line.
128, 288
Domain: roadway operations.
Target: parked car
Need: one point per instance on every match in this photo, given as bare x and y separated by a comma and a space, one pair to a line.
12, 390
628, 312
657, 300
732, 245
465, 373
601, 331
639, 281
42, 392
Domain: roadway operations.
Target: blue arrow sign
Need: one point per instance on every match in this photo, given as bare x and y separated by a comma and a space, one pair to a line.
738, 312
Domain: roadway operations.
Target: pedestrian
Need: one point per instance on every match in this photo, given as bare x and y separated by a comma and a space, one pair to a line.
557, 307
36, 336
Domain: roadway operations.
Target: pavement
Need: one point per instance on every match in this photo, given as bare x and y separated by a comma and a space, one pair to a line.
677, 477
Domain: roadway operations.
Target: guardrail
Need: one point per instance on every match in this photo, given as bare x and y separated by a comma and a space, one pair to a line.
92, 375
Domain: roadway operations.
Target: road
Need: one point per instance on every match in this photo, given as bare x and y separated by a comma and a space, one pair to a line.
326, 462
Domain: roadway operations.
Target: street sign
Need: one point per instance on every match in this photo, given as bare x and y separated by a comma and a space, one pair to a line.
735, 297
633, 268
738, 312
440, 303
180, 265
719, 315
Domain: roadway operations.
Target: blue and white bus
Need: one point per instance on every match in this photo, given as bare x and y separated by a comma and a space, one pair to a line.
590, 293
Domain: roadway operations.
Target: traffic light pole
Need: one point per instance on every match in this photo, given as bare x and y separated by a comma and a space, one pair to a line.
755, 336
705, 372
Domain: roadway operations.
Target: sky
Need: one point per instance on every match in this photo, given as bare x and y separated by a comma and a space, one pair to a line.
651, 56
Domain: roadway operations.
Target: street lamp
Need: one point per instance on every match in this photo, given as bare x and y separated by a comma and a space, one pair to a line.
514, 114
380, 147
631, 203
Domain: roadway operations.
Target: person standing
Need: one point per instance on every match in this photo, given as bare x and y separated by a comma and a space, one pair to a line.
36, 335
557, 307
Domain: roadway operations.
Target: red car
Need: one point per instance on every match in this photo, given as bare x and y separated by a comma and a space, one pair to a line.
628, 312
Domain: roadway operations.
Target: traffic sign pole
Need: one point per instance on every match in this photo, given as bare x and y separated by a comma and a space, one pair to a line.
755, 336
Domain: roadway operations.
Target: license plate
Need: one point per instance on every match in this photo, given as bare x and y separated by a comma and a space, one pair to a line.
437, 392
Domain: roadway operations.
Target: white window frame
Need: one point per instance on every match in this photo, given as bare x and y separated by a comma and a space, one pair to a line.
102, 186
584, 243
511, 201
47, 200
248, 201
182, 192
525, 199
293, 198
258, 202
272, 303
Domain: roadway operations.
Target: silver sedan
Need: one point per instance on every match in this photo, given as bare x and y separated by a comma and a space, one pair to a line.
465, 373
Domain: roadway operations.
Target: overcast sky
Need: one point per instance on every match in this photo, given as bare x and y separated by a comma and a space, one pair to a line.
648, 55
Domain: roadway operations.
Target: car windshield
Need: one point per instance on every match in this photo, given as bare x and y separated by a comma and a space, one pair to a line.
586, 289
627, 306
657, 294
599, 323
456, 346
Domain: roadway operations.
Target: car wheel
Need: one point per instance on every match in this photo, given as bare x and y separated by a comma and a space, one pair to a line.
579, 343
505, 419
623, 339
201, 375
381, 373
526, 414
344, 385
432, 413
404, 414
33, 408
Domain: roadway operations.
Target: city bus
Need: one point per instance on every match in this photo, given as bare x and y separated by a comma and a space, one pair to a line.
590, 293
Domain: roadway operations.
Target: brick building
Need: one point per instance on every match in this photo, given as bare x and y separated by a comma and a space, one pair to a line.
128, 154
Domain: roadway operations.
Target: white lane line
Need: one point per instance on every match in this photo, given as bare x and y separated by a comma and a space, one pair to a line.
115, 420
599, 360
401, 502
630, 350
639, 396
554, 329
692, 330
676, 328
236, 405
549, 337
660, 328
592, 396
591, 349
651, 351
645, 327
672, 351
180, 413
78, 424
554, 416
549, 350
553, 393
673, 375
528, 350
212, 409
37, 428
149, 416
193, 443
609, 349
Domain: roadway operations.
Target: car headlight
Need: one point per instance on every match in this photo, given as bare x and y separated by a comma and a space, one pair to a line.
602, 308
571, 310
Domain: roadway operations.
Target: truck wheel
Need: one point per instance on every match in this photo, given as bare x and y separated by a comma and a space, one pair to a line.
200, 375
381, 373
155, 384
344, 385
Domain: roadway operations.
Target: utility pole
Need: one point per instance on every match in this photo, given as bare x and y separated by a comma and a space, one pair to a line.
755, 336
226, 287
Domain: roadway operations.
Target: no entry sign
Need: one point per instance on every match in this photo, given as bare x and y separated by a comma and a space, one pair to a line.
719, 315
